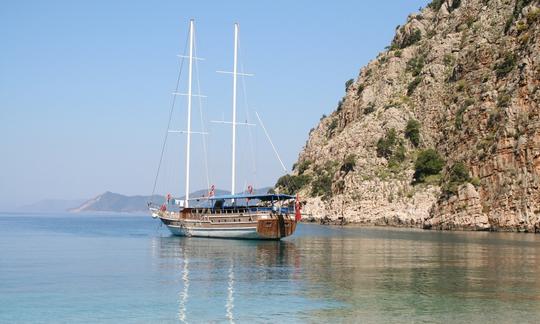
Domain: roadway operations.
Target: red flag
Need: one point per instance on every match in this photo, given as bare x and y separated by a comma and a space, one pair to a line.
250, 191
297, 207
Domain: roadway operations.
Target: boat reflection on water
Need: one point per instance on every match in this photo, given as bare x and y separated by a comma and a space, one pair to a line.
230, 292
329, 275
183, 297
209, 273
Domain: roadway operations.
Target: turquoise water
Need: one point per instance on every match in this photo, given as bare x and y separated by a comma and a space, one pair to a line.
115, 268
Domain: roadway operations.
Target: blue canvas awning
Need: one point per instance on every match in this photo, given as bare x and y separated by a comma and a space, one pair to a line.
263, 197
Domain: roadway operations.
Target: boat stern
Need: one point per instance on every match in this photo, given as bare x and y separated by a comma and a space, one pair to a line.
276, 228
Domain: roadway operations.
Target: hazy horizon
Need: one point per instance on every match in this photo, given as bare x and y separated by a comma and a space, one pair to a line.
85, 89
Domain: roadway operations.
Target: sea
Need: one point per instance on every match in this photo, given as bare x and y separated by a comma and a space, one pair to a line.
73, 268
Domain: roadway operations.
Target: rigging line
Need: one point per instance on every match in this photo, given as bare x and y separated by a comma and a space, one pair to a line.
169, 122
251, 146
205, 150
271, 143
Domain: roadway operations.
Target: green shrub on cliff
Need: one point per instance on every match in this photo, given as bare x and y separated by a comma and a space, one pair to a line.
386, 144
436, 4
349, 83
349, 163
392, 149
331, 128
461, 85
503, 99
412, 132
359, 90
412, 86
455, 5
302, 166
520, 4
369, 109
397, 157
494, 119
506, 66
340, 104
416, 64
322, 186
533, 15
428, 163
322, 183
449, 59
291, 184
459, 117
457, 175
412, 38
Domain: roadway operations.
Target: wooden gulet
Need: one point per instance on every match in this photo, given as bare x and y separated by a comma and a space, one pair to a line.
266, 216
272, 217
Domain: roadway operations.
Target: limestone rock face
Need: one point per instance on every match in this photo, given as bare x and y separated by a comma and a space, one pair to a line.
461, 211
469, 72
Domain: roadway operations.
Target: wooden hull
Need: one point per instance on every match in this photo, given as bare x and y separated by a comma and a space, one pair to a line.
254, 227
276, 228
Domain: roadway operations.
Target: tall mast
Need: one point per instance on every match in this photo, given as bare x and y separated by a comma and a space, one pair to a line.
188, 145
233, 182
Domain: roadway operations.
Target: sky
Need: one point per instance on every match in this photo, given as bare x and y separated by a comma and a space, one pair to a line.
85, 89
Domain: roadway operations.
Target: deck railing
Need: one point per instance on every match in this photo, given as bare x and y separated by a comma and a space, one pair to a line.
203, 212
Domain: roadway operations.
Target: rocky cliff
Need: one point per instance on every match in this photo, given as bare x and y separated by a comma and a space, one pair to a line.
440, 131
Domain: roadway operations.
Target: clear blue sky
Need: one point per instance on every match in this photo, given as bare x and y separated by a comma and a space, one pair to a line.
85, 87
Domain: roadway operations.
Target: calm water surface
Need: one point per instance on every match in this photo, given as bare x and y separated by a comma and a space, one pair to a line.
111, 268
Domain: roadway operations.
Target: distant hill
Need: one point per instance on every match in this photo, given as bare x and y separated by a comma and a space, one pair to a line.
114, 202
51, 205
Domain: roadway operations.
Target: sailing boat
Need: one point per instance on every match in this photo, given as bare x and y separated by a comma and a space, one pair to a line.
244, 215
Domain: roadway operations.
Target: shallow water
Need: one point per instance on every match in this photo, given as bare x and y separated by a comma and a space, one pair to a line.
117, 268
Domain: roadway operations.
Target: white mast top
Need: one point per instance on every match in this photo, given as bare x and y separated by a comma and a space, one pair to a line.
234, 123
189, 95
233, 166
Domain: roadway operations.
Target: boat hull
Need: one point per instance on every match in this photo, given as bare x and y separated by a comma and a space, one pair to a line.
249, 233
254, 228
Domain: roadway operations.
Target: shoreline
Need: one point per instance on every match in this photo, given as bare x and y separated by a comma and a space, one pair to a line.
326, 221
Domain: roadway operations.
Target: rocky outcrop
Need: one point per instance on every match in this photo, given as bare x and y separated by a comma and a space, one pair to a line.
469, 72
460, 211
